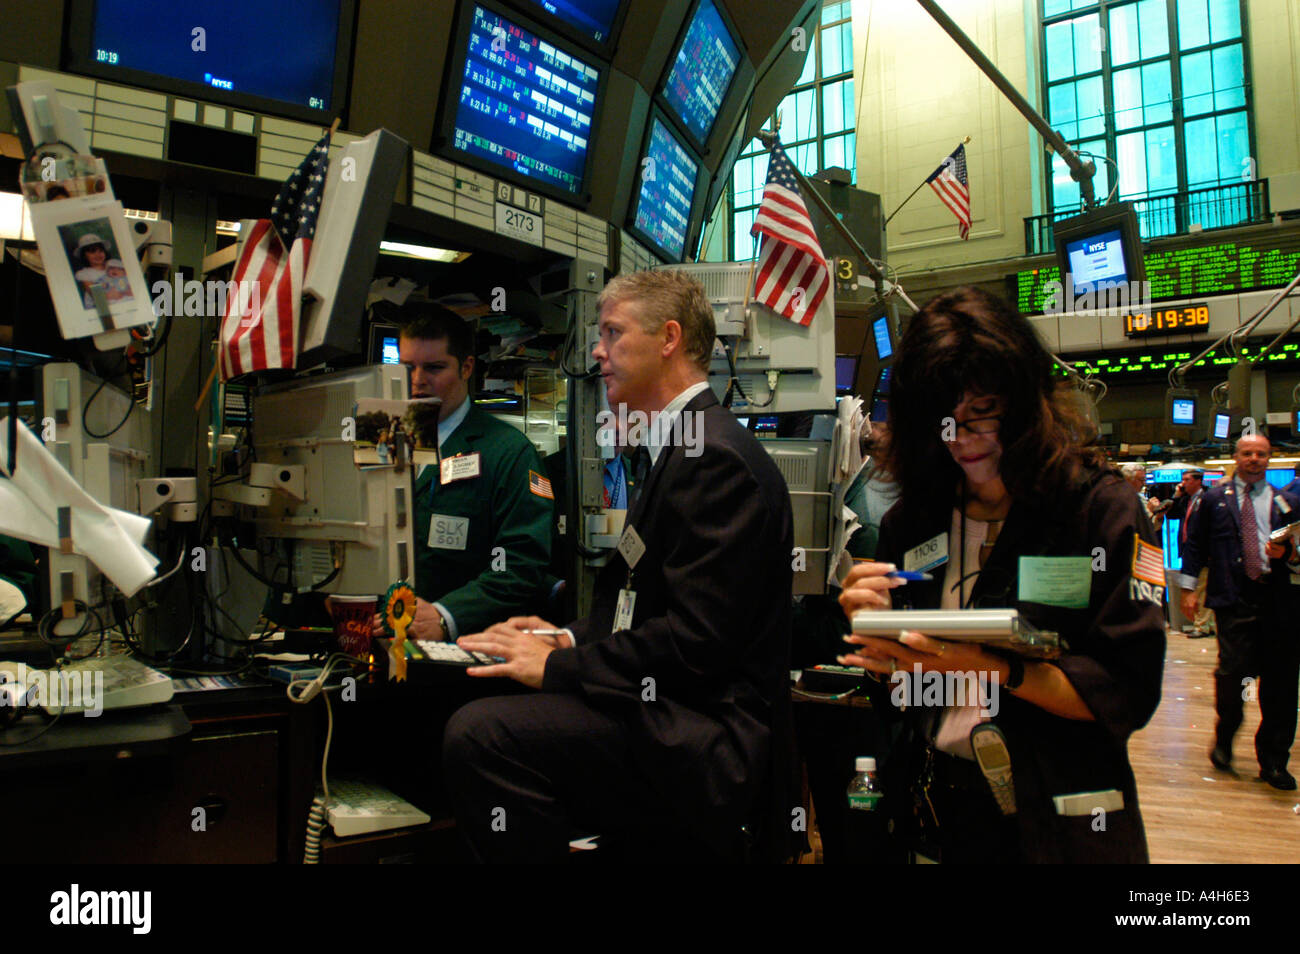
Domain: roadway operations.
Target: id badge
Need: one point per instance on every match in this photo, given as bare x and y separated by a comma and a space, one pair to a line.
461, 467
626, 606
447, 532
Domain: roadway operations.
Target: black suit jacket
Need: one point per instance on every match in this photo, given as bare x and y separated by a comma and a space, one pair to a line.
1115, 659
1214, 540
711, 628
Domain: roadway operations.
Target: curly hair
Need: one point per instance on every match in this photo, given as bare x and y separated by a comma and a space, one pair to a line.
971, 342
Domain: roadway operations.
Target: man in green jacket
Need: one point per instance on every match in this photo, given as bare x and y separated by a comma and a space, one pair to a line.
483, 516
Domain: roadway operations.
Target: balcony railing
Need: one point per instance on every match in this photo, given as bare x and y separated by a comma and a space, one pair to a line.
1218, 207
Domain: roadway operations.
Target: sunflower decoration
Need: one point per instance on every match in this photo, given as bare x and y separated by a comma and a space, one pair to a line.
399, 613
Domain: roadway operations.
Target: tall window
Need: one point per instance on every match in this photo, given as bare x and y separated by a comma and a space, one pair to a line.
818, 124
1157, 90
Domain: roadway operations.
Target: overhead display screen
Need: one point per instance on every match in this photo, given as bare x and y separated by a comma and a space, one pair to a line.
237, 46
593, 18
1097, 258
663, 208
525, 105
702, 71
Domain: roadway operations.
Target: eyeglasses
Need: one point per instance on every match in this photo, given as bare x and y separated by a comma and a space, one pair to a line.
976, 425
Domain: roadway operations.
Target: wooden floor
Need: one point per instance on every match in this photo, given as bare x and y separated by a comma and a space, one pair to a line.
1193, 812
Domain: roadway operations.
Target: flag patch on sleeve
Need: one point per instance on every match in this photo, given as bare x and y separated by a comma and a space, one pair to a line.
540, 485
1148, 562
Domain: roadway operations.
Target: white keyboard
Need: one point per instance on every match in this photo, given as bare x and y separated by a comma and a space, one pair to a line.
359, 808
108, 682
440, 652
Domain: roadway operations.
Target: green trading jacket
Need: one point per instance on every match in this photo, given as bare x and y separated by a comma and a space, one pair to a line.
505, 508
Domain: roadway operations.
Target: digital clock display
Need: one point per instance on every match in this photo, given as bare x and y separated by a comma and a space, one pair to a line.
1172, 320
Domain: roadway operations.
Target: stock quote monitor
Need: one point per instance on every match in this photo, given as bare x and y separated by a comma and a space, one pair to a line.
585, 20
883, 337
1100, 249
1183, 412
702, 71
282, 58
526, 106
846, 372
666, 194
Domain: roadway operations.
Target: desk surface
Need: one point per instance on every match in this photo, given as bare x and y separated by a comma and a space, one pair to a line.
124, 733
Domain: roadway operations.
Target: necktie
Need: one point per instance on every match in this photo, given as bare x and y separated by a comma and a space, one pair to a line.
640, 471
1250, 536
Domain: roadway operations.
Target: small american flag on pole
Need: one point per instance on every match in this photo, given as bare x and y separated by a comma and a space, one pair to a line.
273, 261
953, 188
792, 272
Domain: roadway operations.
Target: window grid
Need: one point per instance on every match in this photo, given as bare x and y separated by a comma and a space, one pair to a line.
1220, 114
818, 126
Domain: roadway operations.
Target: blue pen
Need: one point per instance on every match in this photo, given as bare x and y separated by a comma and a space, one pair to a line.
910, 576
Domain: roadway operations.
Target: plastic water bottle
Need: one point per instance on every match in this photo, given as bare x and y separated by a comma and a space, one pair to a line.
864, 789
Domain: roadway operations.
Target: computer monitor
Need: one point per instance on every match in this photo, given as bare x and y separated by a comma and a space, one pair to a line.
1211, 476
668, 177
1221, 426
883, 337
524, 106
1100, 249
1279, 477
1165, 475
368, 512
846, 372
290, 59
1183, 412
593, 22
702, 70
384, 343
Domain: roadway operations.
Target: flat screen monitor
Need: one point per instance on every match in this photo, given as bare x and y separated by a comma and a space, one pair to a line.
383, 343
702, 71
1211, 476
526, 105
880, 411
1183, 413
1279, 477
592, 20
286, 58
1165, 475
884, 340
766, 424
846, 372
882, 380
1099, 250
1222, 425
666, 194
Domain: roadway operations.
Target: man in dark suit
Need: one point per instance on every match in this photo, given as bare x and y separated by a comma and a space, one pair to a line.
1187, 500
667, 708
1253, 586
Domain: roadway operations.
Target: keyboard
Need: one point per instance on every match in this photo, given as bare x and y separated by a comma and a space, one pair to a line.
125, 683
432, 650
357, 807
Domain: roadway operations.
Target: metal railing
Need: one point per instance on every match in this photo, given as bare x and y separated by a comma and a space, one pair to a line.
1218, 207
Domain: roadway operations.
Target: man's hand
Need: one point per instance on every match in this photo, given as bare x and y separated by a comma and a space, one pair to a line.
524, 654
1276, 551
427, 624
1189, 605
539, 626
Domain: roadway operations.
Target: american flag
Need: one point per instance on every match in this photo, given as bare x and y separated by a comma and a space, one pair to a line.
540, 485
1148, 562
792, 272
953, 188
274, 256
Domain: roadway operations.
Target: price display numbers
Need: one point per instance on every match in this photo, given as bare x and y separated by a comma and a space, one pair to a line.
1172, 320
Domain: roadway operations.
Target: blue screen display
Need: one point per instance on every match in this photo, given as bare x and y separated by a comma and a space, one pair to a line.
882, 382
1096, 258
1165, 475
702, 71
1221, 424
884, 346
1184, 411
846, 369
525, 105
278, 51
390, 353
663, 208
593, 18
1279, 477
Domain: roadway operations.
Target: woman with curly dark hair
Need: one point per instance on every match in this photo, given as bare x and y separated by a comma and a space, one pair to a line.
1000, 484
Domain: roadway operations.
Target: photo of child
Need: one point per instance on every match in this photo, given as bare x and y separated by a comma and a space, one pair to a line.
93, 255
